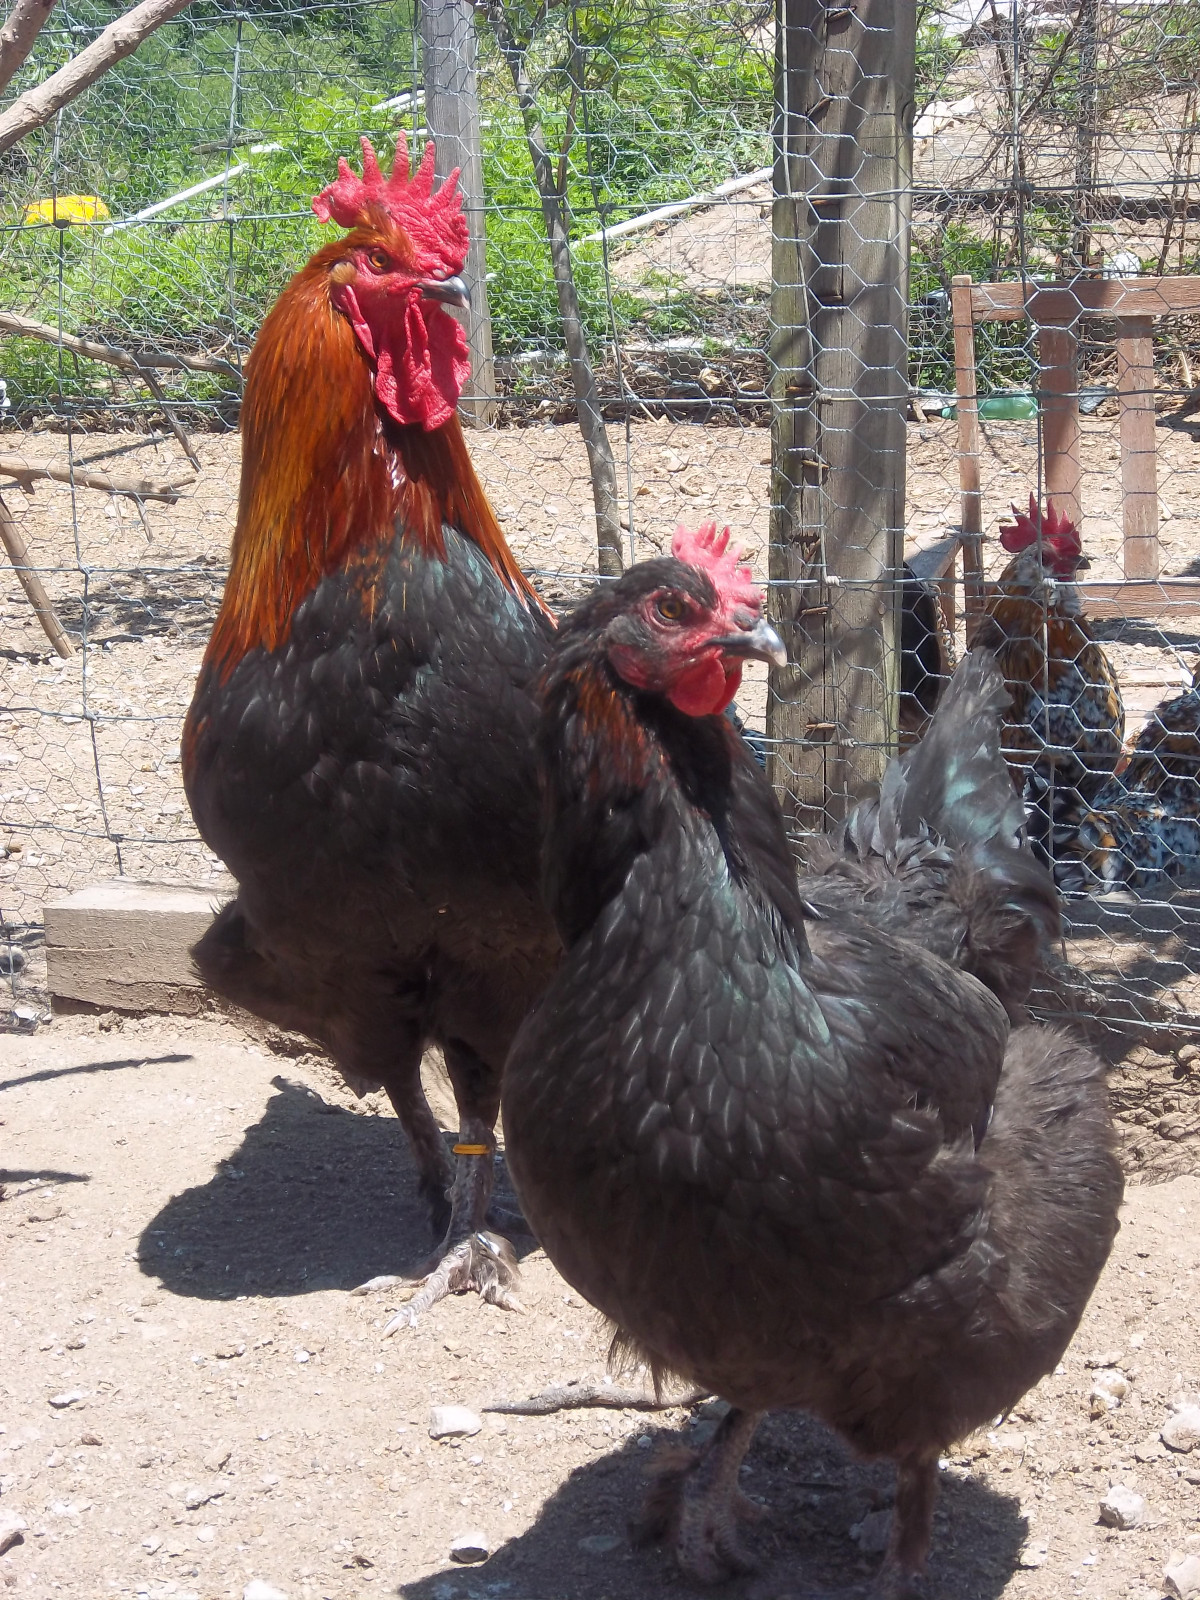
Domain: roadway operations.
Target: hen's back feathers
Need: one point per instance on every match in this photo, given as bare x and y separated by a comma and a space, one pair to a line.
940, 854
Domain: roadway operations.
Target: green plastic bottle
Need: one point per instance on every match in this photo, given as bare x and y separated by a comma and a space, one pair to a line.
1014, 407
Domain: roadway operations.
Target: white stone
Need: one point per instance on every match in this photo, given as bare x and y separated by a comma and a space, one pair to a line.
256, 1589
1181, 1579
1109, 1388
871, 1534
12, 1529
69, 1397
1033, 1554
1122, 1507
1182, 1431
469, 1548
195, 1496
453, 1422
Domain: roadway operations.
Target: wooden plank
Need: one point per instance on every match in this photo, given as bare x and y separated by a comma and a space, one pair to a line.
971, 512
1168, 597
1139, 485
840, 395
1063, 303
1058, 393
124, 944
452, 114
932, 561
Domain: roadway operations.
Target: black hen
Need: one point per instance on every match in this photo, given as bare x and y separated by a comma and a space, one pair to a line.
799, 1162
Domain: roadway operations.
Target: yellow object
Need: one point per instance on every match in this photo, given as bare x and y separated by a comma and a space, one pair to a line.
67, 208
470, 1149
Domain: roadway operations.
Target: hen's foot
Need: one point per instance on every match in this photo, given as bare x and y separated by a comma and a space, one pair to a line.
902, 1576
483, 1262
696, 1502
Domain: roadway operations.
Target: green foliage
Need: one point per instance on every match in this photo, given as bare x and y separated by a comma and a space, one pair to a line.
648, 102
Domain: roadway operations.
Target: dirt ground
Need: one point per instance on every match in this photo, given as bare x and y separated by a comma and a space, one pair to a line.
191, 1400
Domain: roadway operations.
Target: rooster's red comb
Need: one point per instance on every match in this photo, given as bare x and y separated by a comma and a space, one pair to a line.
715, 555
1060, 536
432, 218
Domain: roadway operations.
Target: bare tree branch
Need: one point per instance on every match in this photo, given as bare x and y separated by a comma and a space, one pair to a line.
120, 39
26, 474
587, 394
128, 361
21, 27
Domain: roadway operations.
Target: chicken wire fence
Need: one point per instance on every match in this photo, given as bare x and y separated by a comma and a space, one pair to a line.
160, 214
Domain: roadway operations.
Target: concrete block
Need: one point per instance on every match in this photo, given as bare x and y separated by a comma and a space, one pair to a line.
123, 944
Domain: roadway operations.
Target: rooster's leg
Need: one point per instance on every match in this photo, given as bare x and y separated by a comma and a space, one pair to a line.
902, 1575
697, 1503
403, 1086
469, 1257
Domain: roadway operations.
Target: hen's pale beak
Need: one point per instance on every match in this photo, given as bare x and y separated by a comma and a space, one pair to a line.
450, 291
760, 641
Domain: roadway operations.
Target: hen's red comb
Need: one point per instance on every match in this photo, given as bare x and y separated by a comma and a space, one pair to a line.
1059, 533
714, 554
432, 218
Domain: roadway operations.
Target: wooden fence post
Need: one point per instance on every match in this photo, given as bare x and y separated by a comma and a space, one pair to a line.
843, 163
448, 49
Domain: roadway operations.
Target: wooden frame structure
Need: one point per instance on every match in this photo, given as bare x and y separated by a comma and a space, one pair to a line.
1055, 310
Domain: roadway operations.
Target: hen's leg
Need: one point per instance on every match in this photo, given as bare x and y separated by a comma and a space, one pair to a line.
697, 1503
903, 1572
468, 1257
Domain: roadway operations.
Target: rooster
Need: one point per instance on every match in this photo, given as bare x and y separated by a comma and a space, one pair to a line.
1064, 733
794, 1157
1143, 830
359, 748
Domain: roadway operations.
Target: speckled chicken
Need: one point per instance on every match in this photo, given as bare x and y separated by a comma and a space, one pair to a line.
1143, 831
1063, 735
794, 1157
359, 748
926, 654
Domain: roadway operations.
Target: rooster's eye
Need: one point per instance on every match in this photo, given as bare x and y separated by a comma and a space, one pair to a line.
380, 260
670, 607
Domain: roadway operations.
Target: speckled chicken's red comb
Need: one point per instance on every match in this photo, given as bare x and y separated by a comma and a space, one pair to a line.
1059, 533
432, 218
712, 553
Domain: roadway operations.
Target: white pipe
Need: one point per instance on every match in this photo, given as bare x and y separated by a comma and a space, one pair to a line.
188, 194
679, 207
398, 100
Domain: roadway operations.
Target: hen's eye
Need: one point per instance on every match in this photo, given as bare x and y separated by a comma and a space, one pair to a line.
670, 607
380, 260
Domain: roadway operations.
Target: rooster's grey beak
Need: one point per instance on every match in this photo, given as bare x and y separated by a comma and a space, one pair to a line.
450, 291
760, 641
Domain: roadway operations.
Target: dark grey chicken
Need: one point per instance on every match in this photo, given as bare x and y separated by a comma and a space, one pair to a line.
797, 1159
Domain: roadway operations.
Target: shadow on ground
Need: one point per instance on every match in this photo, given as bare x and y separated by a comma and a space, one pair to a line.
314, 1198
813, 1493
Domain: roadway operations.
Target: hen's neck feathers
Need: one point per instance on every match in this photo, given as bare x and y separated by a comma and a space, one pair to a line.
624, 773
325, 472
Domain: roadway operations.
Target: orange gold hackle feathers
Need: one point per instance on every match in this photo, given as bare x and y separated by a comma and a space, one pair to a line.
324, 475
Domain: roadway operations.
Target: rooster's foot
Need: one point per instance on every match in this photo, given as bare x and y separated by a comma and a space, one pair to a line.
697, 1504
484, 1262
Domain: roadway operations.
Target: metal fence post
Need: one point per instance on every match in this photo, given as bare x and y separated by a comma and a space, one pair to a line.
843, 163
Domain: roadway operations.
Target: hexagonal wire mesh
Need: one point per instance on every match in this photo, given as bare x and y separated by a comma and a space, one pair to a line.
1051, 142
